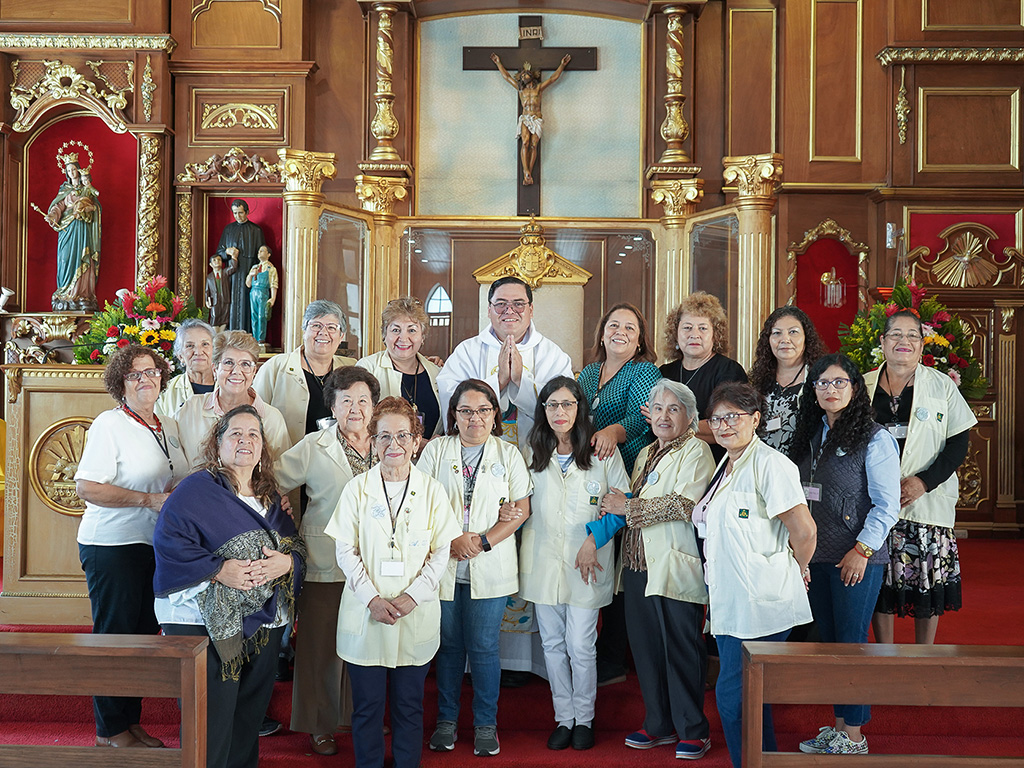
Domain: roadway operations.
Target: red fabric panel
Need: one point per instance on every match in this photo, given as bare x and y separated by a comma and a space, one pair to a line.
824, 254
115, 176
268, 212
925, 228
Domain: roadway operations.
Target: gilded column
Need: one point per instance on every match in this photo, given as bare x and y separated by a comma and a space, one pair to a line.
303, 174
756, 178
1005, 404
384, 126
147, 231
184, 279
674, 129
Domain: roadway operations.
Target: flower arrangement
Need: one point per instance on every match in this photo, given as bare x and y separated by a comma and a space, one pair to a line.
947, 345
149, 316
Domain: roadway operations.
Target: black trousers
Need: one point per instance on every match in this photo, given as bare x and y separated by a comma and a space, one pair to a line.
670, 659
403, 688
612, 642
120, 581
235, 708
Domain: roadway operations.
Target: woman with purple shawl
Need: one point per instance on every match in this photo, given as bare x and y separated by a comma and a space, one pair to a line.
229, 564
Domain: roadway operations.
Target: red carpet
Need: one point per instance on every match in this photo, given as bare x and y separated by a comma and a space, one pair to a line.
993, 615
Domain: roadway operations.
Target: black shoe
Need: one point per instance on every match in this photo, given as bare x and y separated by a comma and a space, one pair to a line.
560, 738
608, 674
514, 679
270, 726
284, 670
582, 737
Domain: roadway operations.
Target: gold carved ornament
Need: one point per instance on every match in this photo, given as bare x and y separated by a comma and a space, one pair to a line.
184, 240
39, 84
148, 88
53, 461
829, 228
755, 176
379, 194
257, 117
679, 198
305, 171
674, 129
971, 480
947, 55
39, 331
163, 43
148, 229
532, 262
234, 166
384, 126
966, 260
902, 107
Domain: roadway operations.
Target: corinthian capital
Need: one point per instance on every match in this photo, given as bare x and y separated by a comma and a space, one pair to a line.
304, 171
378, 195
679, 198
755, 176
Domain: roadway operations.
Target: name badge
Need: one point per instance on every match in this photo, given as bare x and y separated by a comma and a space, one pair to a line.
392, 568
652, 478
593, 487
812, 491
378, 511
174, 441
498, 470
899, 431
922, 414
774, 423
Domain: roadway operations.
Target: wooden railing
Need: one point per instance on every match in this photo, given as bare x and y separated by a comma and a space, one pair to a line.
108, 665
911, 675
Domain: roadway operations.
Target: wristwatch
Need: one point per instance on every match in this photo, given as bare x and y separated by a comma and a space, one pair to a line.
485, 543
865, 549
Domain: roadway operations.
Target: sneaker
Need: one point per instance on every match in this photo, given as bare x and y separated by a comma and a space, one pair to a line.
444, 736
270, 726
643, 740
692, 749
485, 740
819, 743
842, 745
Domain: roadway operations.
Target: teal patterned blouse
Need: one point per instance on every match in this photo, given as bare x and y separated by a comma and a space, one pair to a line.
619, 401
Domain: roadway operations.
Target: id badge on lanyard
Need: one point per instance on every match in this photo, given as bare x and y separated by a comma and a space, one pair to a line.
899, 431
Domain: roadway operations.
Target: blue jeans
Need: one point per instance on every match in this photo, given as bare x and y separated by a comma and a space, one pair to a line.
729, 695
843, 615
469, 628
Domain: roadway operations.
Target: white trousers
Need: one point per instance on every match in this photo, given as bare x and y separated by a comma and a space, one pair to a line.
569, 637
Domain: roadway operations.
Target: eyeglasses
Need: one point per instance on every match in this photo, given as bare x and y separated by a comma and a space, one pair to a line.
383, 440
501, 307
244, 365
316, 327
152, 373
730, 419
913, 336
468, 413
822, 385
551, 406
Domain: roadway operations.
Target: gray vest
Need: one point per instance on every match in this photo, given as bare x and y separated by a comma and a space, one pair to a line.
844, 503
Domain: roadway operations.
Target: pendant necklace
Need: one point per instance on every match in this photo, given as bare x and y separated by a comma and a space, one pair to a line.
320, 379
157, 432
894, 400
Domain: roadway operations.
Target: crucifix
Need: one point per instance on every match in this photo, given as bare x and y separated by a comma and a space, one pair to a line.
530, 59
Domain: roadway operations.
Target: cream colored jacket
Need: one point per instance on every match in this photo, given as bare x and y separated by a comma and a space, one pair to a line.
199, 415
381, 366
938, 412
560, 508
179, 389
281, 383
502, 475
425, 524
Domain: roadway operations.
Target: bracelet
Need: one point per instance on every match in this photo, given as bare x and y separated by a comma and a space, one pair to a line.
485, 543
856, 548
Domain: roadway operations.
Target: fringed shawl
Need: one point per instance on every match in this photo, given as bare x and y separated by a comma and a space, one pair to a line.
204, 523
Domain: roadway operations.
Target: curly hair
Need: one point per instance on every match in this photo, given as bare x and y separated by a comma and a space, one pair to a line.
543, 440
698, 304
474, 385
395, 406
741, 395
644, 350
853, 429
341, 379
404, 307
762, 373
240, 340
121, 363
264, 483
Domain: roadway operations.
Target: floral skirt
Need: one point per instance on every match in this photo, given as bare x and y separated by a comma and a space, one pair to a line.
922, 578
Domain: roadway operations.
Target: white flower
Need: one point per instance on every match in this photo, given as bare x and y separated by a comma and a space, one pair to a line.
110, 348
150, 324
877, 356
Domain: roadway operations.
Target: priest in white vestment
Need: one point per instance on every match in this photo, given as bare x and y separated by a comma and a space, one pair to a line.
516, 361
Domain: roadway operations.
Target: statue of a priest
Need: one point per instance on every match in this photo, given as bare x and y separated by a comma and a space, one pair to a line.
240, 243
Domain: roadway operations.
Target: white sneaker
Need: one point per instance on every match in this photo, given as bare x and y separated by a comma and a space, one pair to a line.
819, 743
843, 745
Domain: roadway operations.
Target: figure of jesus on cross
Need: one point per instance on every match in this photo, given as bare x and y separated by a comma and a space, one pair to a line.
530, 88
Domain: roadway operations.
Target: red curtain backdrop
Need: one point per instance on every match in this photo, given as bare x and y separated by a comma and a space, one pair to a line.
268, 212
925, 228
822, 255
115, 176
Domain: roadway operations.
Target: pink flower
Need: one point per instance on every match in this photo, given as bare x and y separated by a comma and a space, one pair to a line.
942, 316
149, 324
916, 294
154, 285
176, 306
891, 309
955, 376
128, 302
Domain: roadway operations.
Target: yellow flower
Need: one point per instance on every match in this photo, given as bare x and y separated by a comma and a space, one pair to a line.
167, 335
131, 330
942, 341
149, 338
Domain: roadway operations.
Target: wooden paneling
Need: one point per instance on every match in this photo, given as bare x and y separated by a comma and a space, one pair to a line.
242, 24
64, 11
228, 116
973, 15
836, 81
751, 84
965, 130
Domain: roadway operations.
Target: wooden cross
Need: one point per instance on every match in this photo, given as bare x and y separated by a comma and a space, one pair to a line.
539, 58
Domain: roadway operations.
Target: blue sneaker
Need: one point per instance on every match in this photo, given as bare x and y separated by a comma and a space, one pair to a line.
692, 749
643, 740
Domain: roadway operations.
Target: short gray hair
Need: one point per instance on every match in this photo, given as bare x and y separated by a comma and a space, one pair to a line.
682, 393
321, 307
188, 325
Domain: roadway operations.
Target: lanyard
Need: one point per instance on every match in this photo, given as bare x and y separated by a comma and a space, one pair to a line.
391, 512
469, 487
157, 433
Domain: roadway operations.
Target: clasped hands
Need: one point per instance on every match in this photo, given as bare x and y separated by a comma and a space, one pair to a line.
613, 502
510, 364
390, 611
246, 574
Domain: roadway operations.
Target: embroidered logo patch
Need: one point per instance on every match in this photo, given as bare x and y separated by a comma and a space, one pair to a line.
938, 416
744, 513
593, 500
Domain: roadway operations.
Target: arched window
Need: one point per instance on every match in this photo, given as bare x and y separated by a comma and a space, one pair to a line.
439, 306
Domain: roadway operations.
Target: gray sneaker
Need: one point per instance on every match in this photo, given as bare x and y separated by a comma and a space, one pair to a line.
485, 740
444, 736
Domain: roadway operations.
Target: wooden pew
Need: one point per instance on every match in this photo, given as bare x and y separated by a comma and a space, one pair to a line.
911, 675
108, 665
